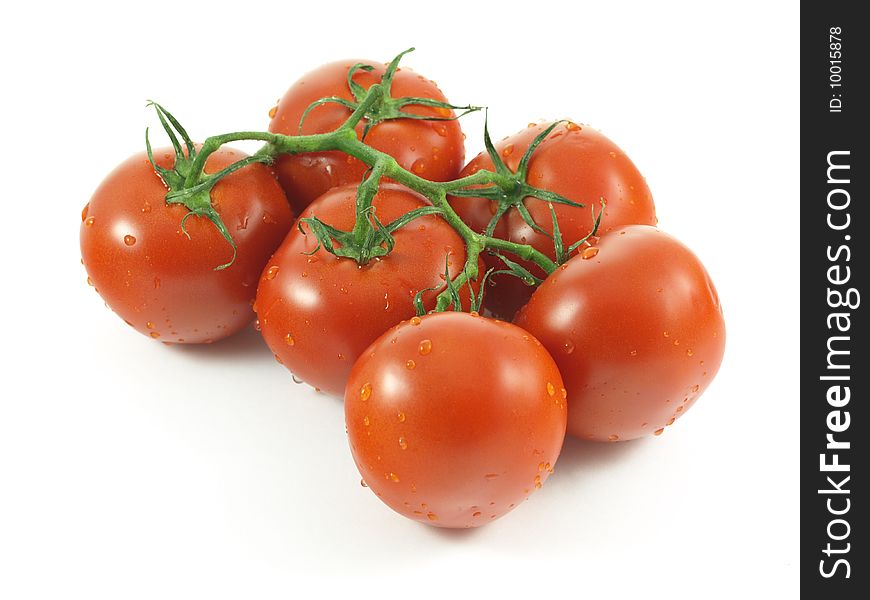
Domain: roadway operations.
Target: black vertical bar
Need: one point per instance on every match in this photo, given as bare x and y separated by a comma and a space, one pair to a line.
835, 367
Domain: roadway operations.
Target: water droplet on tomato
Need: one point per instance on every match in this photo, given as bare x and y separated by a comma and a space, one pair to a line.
146, 208
671, 422
612, 154
400, 416
129, 240
666, 334
410, 364
271, 272
257, 325
537, 482
273, 111
89, 221
508, 150
419, 166
149, 325
432, 516
571, 126
568, 347
425, 347
268, 219
613, 437
365, 392
403, 443
363, 483
154, 335
476, 514
680, 408
551, 389
590, 252
676, 342
658, 431
278, 360
441, 129
156, 283
296, 379
415, 320
90, 282
633, 353
366, 421
393, 477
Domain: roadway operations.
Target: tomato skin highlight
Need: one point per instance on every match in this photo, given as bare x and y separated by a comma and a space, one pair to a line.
318, 313
431, 149
576, 161
454, 419
159, 281
636, 329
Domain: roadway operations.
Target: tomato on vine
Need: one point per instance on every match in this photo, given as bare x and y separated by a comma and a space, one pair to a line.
323, 297
573, 161
635, 325
183, 270
413, 123
454, 419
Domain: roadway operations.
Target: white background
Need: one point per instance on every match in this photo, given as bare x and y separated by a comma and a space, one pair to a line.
129, 469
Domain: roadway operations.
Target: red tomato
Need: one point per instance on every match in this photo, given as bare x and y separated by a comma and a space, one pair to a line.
575, 161
635, 325
454, 419
162, 283
319, 312
431, 149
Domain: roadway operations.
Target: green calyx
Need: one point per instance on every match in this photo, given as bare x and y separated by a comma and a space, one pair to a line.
511, 188
386, 107
188, 184
370, 238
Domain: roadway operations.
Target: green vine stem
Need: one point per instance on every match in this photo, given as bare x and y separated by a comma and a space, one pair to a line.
345, 139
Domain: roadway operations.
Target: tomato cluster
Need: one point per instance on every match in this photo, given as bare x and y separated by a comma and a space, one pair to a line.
571, 312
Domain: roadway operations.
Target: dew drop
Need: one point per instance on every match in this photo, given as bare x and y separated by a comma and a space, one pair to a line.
676, 342
415, 321
403, 443
296, 379
590, 252
401, 417
490, 476
278, 360
268, 219
393, 477
90, 282
612, 154
149, 325
273, 111
243, 223
680, 408
363, 483
367, 421
666, 334
658, 431
613, 437
508, 150
410, 364
89, 221
129, 240
271, 272
257, 325
476, 514
365, 392
425, 347
146, 208
568, 347
432, 516
288, 339
695, 388
671, 422
633, 353
419, 166
551, 389
156, 283
570, 126
85, 211
564, 393
154, 335
441, 129
689, 352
